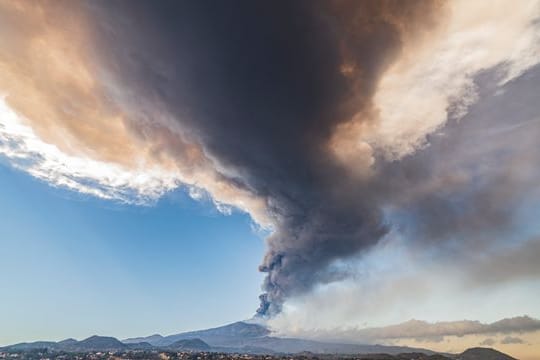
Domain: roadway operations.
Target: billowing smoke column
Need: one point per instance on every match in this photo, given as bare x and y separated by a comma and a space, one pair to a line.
330, 122
262, 86
323, 212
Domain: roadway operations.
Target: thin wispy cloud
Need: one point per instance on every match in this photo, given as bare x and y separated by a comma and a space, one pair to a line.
428, 331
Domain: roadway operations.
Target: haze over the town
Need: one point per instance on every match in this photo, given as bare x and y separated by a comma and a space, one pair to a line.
352, 171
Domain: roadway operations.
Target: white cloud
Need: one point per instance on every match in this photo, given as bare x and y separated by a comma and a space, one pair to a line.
432, 75
20, 144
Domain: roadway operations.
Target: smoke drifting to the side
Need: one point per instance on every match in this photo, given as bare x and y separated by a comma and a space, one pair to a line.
265, 88
306, 114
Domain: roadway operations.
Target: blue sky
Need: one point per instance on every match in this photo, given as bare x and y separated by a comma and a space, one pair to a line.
75, 266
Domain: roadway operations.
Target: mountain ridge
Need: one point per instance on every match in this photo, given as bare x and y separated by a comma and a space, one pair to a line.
244, 337
482, 353
243, 334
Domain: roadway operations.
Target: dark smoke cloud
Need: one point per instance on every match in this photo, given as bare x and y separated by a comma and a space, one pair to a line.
262, 86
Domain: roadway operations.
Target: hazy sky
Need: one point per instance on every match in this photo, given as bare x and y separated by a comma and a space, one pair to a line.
176, 165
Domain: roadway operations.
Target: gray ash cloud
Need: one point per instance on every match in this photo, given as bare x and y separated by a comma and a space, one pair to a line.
261, 87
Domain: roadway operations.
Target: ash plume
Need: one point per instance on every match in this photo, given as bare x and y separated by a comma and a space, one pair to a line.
270, 92
314, 117
265, 86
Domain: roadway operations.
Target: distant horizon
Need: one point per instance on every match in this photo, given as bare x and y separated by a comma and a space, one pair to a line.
456, 332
